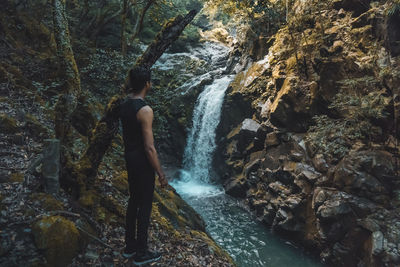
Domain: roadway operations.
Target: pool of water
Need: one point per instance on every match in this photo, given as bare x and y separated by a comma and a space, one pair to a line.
249, 242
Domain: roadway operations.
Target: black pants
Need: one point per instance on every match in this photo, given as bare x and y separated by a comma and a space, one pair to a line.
141, 178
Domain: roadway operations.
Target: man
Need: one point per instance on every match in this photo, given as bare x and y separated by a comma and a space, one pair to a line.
141, 162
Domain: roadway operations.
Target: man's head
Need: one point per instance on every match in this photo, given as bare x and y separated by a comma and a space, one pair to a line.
139, 78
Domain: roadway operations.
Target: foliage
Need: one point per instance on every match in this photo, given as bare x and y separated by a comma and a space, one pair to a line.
335, 136
394, 8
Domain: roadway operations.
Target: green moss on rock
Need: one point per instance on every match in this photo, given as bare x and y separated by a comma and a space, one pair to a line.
58, 237
178, 212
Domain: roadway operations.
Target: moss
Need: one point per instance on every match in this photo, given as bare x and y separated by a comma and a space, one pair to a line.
88, 199
179, 213
121, 182
164, 222
58, 237
16, 177
114, 208
48, 202
8, 124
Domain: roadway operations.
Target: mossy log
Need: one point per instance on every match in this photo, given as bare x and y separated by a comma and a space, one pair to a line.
85, 171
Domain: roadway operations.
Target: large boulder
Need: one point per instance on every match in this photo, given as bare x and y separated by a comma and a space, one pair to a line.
237, 187
59, 238
292, 107
369, 174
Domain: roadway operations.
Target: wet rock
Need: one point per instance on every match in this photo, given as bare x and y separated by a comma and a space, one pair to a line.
58, 237
285, 220
237, 187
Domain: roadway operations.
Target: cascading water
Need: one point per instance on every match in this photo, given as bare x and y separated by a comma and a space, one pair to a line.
201, 142
248, 242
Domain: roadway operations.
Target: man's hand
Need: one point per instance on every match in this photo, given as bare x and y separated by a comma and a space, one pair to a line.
163, 180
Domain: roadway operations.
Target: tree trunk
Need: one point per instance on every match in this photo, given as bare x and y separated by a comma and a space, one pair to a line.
123, 27
85, 171
67, 99
139, 23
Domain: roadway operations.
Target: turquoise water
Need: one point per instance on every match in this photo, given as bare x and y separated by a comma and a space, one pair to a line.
249, 242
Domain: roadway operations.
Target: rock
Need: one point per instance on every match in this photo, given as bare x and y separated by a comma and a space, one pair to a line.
259, 206
356, 6
377, 242
260, 137
218, 34
176, 210
245, 134
265, 108
251, 126
307, 171
271, 139
279, 188
341, 13
332, 209
58, 237
237, 187
293, 106
368, 174
285, 220
337, 47
51, 165
320, 163
252, 167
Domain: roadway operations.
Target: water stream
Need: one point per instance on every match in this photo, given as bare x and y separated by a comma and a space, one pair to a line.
248, 242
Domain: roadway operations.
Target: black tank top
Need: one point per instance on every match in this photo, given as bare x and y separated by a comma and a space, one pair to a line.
131, 128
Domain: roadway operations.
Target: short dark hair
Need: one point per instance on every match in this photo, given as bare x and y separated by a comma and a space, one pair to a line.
136, 79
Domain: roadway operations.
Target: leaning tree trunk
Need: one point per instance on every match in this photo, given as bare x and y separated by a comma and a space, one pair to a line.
85, 171
67, 100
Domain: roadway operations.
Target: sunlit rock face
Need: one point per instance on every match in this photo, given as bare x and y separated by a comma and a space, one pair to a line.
319, 180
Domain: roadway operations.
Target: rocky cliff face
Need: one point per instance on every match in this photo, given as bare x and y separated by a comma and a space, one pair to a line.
308, 135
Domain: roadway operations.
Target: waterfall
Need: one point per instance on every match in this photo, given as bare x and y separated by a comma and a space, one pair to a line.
201, 140
195, 177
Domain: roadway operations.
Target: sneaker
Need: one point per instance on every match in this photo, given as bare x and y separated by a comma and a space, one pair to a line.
129, 251
146, 257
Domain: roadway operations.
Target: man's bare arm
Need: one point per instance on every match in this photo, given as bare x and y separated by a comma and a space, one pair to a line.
145, 117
